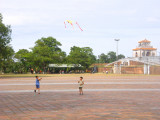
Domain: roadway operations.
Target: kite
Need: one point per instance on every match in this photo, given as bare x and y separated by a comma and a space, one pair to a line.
71, 22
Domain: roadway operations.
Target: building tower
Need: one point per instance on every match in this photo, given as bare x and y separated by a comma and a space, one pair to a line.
144, 49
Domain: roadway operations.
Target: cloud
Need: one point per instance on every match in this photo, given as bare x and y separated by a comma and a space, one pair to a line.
101, 20
152, 19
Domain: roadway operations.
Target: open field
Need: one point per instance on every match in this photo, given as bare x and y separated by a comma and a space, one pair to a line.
106, 97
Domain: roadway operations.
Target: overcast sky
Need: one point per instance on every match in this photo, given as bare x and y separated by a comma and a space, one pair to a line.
102, 21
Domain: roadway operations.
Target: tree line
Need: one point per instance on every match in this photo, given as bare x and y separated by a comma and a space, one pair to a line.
45, 51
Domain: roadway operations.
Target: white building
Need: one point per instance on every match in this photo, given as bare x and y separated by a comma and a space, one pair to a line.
144, 49
144, 61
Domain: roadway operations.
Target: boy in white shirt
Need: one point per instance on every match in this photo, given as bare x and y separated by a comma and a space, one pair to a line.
81, 83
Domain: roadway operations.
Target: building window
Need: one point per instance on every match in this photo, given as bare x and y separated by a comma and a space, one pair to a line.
148, 54
136, 54
153, 54
143, 54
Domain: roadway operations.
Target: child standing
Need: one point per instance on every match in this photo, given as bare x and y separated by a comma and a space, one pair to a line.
37, 84
81, 83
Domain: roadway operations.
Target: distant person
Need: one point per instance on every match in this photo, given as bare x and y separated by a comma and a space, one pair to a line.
31, 71
60, 72
37, 84
81, 83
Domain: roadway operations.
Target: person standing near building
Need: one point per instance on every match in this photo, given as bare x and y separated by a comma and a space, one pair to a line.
81, 83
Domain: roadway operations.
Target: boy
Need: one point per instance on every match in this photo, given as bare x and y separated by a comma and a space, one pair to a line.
37, 84
81, 83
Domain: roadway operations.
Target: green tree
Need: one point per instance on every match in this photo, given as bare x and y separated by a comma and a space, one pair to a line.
45, 51
6, 51
83, 56
103, 58
121, 56
111, 56
7, 60
23, 58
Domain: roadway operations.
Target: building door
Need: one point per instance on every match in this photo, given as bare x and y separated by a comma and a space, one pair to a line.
148, 54
136, 54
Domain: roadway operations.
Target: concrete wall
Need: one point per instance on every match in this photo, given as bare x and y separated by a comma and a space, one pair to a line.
100, 70
132, 70
155, 70
135, 63
101, 67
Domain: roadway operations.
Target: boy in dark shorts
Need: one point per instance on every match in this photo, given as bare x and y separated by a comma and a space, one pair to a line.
81, 83
37, 84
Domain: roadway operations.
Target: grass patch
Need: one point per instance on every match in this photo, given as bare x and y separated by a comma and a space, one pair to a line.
70, 75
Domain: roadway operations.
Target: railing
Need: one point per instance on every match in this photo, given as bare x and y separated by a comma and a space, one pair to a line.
146, 60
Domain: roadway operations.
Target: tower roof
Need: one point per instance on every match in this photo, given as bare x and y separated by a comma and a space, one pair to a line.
144, 49
144, 41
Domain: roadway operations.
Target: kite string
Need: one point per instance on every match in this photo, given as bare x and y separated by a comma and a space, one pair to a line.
72, 25
65, 25
79, 26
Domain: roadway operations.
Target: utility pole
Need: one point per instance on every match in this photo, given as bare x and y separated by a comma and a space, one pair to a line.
117, 47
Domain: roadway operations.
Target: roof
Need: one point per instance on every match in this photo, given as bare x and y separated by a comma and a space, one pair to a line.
144, 49
64, 65
146, 60
144, 41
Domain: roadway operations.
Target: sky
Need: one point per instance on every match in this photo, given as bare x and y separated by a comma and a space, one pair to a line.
102, 21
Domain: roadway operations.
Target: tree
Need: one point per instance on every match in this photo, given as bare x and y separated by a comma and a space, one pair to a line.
7, 60
103, 58
83, 56
111, 56
45, 51
6, 50
23, 57
121, 56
